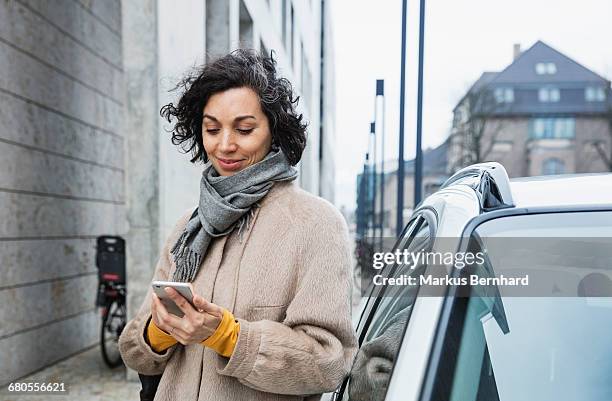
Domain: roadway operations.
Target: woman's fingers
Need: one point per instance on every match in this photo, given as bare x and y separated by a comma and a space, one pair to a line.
165, 320
155, 305
157, 311
196, 325
199, 302
180, 301
180, 335
207, 307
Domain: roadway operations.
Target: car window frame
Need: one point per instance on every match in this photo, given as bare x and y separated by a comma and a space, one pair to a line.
409, 230
425, 214
454, 309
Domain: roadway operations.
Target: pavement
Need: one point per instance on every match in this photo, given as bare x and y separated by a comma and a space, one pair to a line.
86, 377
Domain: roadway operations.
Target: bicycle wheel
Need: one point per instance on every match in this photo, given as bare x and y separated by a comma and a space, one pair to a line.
113, 322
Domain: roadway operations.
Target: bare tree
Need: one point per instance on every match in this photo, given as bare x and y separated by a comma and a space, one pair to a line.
600, 144
476, 126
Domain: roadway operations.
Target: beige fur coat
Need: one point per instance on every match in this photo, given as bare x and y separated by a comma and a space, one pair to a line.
288, 282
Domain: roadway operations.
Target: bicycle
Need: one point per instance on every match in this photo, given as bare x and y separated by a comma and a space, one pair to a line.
110, 260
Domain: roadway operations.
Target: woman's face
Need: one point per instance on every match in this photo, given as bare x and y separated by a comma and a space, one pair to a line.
235, 130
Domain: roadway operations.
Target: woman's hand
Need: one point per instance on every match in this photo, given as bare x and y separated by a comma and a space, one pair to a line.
195, 326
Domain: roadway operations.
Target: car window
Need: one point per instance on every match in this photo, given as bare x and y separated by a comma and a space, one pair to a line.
372, 292
394, 297
545, 348
382, 337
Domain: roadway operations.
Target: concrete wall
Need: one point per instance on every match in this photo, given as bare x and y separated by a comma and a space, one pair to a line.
327, 183
62, 176
180, 48
141, 127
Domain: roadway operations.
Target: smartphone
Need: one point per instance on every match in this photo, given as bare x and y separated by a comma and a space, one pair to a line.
185, 289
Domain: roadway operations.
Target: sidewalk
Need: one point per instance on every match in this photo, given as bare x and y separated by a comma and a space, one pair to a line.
86, 378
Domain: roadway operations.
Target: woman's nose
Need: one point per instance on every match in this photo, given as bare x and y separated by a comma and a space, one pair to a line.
228, 143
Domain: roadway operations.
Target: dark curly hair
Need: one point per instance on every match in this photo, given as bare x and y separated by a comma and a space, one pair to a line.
240, 68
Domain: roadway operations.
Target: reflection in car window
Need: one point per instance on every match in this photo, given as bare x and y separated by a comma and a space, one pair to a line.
371, 370
545, 348
411, 229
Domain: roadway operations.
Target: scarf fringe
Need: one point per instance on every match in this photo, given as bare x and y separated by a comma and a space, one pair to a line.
187, 260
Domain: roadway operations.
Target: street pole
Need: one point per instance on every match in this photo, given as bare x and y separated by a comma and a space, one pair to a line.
418, 161
399, 222
380, 93
363, 192
373, 136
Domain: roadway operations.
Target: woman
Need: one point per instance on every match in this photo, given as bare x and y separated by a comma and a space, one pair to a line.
269, 262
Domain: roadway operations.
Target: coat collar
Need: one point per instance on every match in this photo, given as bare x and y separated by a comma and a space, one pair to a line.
277, 190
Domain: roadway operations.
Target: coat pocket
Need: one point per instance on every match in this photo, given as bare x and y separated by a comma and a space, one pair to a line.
275, 313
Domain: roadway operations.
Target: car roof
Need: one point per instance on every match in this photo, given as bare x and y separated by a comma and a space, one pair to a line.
562, 190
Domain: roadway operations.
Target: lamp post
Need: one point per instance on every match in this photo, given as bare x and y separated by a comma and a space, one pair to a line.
373, 138
418, 161
362, 201
380, 94
399, 218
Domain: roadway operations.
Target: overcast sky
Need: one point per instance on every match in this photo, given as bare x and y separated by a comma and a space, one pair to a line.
462, 39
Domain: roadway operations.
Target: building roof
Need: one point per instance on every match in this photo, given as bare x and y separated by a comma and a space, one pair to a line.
434, 161
522, 69
570, 77
485, 79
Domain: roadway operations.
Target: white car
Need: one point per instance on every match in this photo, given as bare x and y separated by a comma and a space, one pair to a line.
551, 344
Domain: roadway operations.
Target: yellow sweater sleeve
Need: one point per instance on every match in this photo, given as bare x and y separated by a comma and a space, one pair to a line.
159, 339
224, 339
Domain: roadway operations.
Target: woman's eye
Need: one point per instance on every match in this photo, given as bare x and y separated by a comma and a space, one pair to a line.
212, 130
244, 130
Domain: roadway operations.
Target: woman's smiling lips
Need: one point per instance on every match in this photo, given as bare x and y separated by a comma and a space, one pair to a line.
229, 164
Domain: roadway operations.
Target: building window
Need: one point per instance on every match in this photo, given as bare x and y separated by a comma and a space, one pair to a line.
541, 128
245, 30
553, 166
546, 68
504, 95
549, 94
306, 78
217, 28
291, 35
594, 94
284, 21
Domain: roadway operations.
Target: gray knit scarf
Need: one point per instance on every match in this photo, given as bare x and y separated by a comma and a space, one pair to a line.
226, 202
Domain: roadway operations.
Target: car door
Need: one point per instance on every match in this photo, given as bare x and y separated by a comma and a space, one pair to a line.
383, 321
